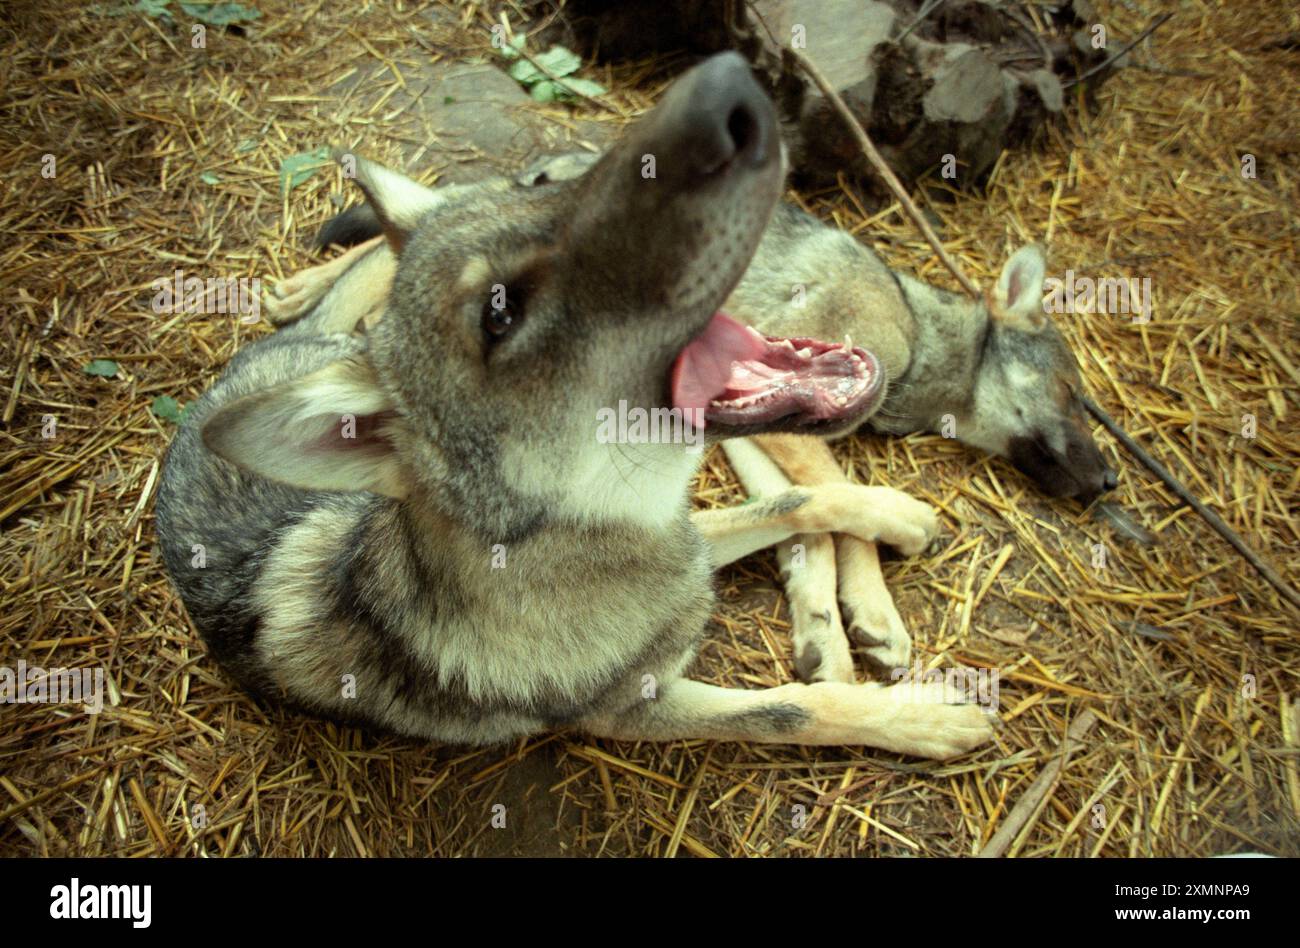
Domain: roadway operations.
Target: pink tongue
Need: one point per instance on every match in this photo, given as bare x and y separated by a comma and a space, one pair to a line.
703, 368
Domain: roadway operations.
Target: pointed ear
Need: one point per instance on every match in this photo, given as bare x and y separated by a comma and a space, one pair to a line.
330, 430
398, 202
1017, 300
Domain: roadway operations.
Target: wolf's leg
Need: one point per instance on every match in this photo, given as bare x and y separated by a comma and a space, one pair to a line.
865, 603
925, 719
807, 561
867, 607
294, 297
868, 513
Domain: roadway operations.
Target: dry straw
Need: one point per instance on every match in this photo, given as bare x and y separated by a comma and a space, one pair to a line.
1186, 658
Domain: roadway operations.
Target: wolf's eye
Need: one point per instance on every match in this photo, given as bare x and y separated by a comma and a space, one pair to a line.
502, 313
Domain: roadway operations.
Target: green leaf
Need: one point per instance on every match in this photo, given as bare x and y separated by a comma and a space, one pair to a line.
559, 61
155, 8
105, 368
210, 177
545, 91
296, 169
582, 87
220, 14
167, 408
448, 100
525, 73
511, 50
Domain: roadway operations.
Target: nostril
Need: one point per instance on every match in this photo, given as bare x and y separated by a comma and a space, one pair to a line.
723, 118
742, 127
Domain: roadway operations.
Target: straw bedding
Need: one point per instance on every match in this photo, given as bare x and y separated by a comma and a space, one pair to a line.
1185, 656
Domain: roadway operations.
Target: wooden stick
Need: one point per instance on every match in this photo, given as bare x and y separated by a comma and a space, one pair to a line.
1151, 28
925, 11
1036, 795
1208, 515
883, 169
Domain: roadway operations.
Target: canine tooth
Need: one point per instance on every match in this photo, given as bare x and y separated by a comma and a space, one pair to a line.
806, 352
848, 343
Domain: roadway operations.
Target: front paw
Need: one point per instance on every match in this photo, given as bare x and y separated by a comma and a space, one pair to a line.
930, 719
877, 625
905, 523
821, 650
292, 298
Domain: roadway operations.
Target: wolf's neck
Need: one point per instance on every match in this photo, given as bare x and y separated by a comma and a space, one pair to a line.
636, 487
640, 485
944, 344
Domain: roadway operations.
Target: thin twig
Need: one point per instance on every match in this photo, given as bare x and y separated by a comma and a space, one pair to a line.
884, 170
1034, 797
926, 10
1151, 28
1210, 517
559, 80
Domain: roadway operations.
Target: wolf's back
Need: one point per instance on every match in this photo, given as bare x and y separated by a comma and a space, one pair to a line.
217, 523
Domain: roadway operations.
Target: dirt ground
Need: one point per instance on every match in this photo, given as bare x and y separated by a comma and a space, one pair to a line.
167, 156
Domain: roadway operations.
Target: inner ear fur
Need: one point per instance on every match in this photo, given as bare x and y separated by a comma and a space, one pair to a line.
1016, 300
334, 429
399, 202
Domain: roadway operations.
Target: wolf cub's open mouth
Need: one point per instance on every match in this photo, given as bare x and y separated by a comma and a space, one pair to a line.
738, 377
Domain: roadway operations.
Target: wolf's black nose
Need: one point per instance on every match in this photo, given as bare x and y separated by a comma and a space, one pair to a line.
729, 118
1108, 480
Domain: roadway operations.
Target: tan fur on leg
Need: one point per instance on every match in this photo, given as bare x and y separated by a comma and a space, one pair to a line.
868, 513
925, 720
866, 606
807, 561
293, 297
821, 649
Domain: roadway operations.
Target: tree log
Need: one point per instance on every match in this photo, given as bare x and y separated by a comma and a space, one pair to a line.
942, 87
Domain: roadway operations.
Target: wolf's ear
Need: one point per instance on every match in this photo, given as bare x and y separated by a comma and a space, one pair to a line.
1017, 300
398, 202
330, 430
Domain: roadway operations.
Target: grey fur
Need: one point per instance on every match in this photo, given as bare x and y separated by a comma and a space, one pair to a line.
1003, 383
